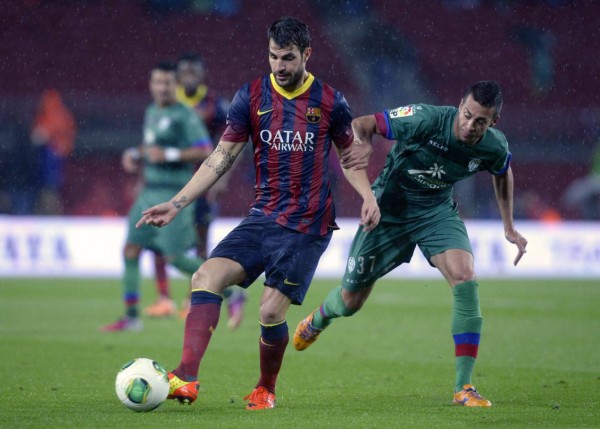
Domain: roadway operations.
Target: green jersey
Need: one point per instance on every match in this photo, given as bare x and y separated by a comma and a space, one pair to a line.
428, 159
174, 126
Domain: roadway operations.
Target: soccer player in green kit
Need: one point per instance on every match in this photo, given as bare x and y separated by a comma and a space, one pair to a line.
435, 148
174, 140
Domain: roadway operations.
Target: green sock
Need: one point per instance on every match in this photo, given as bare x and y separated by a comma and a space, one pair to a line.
131, 286
185, 264
333, 307
464, 371
466, 330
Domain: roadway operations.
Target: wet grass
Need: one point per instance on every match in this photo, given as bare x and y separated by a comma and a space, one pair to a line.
390, 365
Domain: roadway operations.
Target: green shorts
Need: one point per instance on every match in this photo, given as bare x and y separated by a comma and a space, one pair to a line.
376, 253
171, 240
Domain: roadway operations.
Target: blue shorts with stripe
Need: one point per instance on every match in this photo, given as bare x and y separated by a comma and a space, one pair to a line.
287, 257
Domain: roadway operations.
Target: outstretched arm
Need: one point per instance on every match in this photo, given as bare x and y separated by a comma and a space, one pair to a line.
503, 188
356, 156
213, 167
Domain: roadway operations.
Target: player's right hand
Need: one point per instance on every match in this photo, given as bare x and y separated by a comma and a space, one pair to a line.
521, 242
370, 214
129, 163
159, 215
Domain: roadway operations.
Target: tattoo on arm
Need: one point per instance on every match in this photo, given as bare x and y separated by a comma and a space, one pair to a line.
179, 203
225, 163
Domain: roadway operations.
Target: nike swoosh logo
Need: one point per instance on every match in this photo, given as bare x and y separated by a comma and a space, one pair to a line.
262, 112
289, 283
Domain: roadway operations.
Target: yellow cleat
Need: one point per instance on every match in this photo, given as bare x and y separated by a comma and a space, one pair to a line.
260, 399
185, 392
470, 398
306, 333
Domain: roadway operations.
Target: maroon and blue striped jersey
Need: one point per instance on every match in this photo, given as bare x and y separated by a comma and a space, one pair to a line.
291, 133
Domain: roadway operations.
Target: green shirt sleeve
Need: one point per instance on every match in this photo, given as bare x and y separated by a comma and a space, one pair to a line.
412, 122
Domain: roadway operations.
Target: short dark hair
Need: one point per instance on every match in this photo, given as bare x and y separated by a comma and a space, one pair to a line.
289, 31
165, 66
190, 57
487, 93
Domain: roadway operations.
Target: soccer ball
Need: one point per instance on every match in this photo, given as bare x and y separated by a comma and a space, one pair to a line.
142, 384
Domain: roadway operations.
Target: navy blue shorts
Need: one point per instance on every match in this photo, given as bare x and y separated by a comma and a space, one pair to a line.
287, 257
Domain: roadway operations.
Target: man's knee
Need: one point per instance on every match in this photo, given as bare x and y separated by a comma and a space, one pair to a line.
217, 274
131, 251
464, 275
353, 301
273, 306
201, 278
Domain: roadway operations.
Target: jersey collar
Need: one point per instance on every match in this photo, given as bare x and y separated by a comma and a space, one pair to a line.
194, 99
292, 94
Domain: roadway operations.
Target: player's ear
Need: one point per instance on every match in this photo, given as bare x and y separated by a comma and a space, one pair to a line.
306, 53
495, 121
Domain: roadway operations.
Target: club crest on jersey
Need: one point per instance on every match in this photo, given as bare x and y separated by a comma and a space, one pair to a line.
164, 123
402, 111
351, 264
474, 164
313, 114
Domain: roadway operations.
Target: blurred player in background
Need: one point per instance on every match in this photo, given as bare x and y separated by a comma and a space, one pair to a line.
174, 139
436, 147
293, 119
54, 132
212, 110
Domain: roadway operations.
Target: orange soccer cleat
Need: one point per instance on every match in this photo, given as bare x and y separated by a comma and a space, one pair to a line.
162, 307
185, 392
470, 398
186, 304
306, 333
260, 399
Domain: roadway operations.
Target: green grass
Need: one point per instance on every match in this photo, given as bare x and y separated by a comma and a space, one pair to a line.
390, 365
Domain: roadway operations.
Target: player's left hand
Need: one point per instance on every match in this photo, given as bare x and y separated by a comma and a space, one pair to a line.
370, 214
516, 238
356, 156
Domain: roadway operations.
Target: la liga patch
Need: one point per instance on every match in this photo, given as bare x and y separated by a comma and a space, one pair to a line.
402, 111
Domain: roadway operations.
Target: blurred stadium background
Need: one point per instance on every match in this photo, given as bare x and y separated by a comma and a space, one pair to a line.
380, 53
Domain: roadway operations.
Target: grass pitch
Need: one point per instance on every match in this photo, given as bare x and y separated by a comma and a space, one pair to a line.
391, 365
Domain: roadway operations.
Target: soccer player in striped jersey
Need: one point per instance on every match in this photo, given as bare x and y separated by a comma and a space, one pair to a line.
435, 148
293, 120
